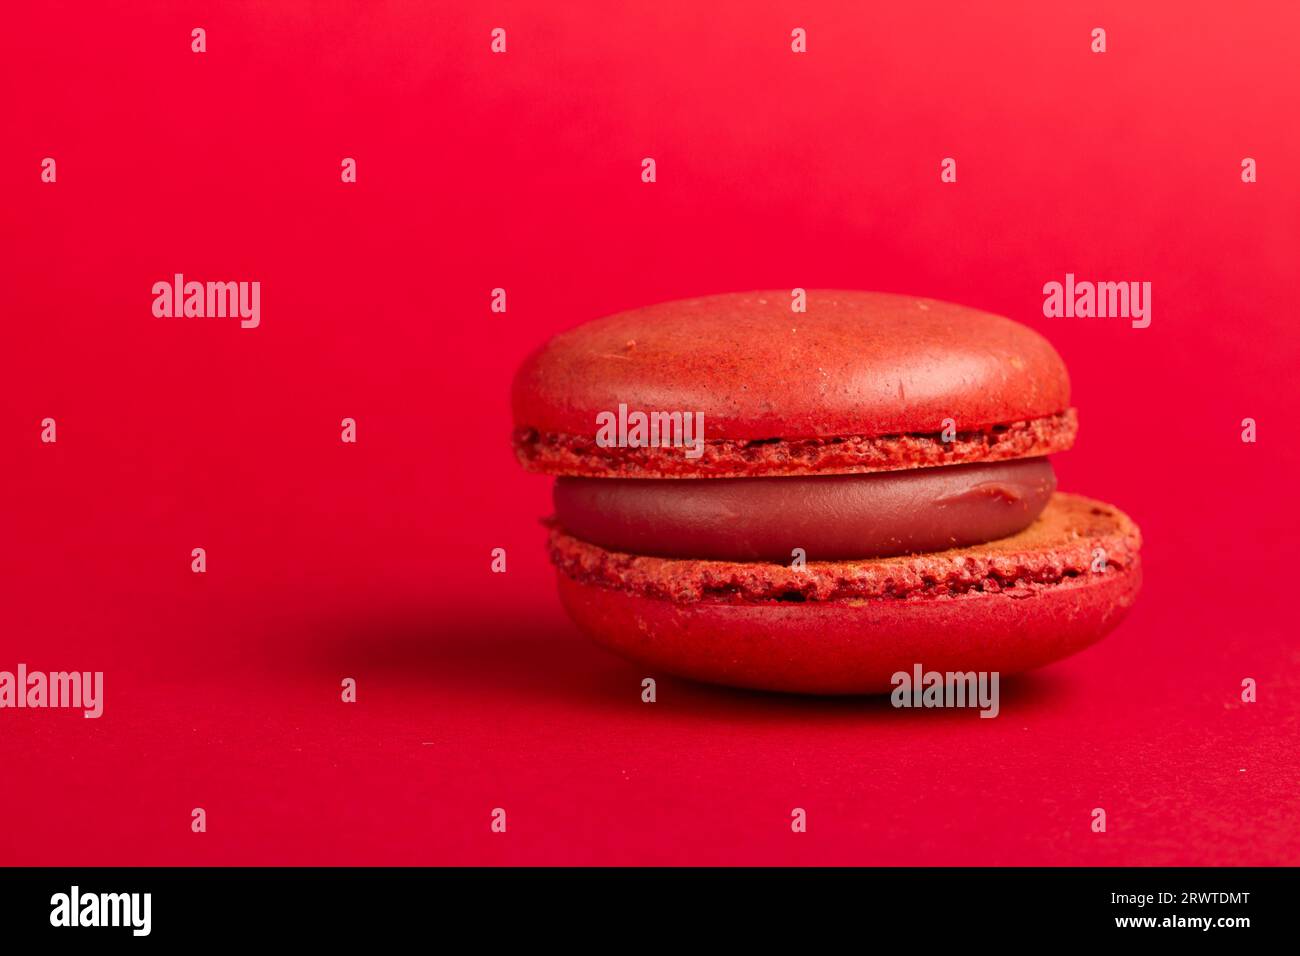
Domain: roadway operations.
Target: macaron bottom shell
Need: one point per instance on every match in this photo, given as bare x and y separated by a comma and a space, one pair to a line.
1052, 602
850, 647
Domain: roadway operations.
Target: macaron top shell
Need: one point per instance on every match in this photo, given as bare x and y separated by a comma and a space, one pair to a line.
854, 366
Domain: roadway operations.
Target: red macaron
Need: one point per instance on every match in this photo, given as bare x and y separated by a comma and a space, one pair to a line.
816, 501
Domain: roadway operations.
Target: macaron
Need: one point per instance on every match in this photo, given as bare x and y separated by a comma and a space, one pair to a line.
816, 501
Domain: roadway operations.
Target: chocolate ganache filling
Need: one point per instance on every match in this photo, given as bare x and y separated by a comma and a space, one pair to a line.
829, 517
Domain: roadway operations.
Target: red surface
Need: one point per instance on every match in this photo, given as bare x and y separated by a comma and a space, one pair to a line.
371, 561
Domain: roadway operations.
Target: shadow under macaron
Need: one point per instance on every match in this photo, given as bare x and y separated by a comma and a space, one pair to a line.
542, 658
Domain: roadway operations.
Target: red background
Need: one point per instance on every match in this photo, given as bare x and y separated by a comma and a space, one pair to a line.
371, 560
